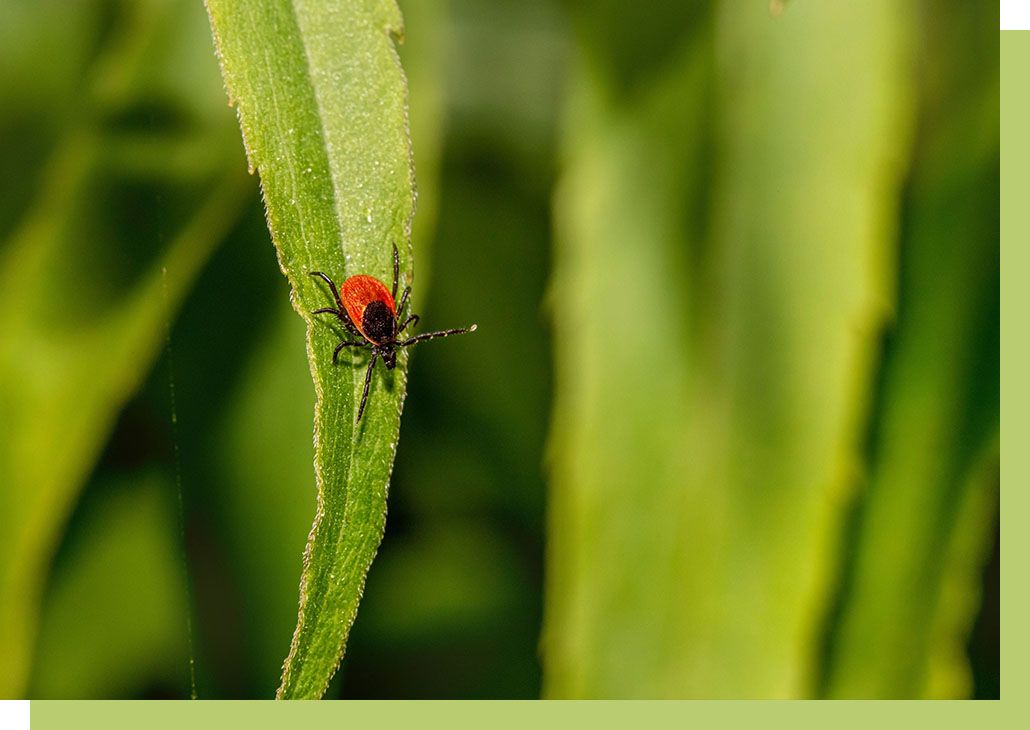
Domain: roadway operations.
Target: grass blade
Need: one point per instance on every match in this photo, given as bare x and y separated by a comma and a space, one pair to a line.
263, 442
322, 104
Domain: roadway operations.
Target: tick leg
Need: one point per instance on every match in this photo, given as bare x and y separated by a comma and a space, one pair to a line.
432, 335
410, 319
350, 325
342, 316
396, 270
336, 352
332, 287
368, 379
404, 301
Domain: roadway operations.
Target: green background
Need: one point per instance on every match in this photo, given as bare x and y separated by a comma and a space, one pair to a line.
456, 599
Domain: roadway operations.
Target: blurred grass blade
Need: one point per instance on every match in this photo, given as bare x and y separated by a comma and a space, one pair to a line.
321, 99
617, 419
125, 217
717, 400
923, 520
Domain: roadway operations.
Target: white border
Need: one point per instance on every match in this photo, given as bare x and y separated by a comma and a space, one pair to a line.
1015, 14
14, 714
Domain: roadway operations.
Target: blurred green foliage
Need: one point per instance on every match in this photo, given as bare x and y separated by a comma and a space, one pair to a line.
749, 215
773, 467
138, 186
126, 544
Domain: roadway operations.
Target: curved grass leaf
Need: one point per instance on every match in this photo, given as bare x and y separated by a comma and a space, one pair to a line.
322, 104
126, 215
262, 447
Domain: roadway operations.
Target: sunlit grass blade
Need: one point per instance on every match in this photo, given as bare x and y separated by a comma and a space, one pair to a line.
322, 103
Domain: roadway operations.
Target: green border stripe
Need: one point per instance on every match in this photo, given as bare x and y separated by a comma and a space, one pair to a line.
1015, 352
500, 715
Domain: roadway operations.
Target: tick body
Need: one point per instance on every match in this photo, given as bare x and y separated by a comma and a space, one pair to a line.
370, 313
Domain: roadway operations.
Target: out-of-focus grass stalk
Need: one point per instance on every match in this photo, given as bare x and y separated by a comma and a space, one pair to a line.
725, 224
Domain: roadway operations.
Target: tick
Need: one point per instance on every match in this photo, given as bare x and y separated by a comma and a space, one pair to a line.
369, 312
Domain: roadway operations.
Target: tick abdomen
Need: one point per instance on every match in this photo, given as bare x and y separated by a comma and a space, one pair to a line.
378, 323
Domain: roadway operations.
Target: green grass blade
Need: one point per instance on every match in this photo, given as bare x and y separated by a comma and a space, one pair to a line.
322, 103
125, 217
713, 348
263, 443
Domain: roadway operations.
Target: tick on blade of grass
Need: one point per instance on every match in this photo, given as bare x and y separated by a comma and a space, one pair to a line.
368, 311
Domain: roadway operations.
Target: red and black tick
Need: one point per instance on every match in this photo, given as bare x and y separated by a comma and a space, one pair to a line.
369, 312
